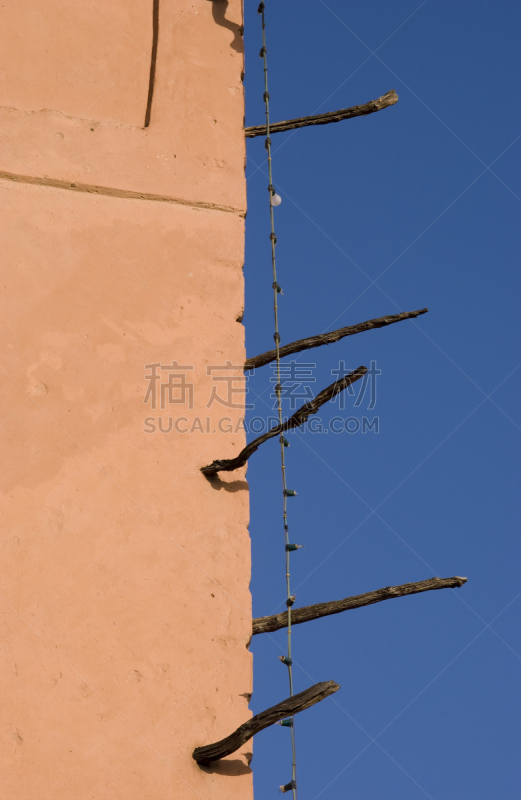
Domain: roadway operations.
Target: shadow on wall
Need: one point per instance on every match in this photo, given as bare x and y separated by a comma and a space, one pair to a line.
228, 486
229, 767
219, 14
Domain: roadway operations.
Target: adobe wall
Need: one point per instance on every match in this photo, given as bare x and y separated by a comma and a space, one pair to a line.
125, 611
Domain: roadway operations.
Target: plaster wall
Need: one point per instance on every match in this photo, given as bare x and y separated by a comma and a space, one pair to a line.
125, 611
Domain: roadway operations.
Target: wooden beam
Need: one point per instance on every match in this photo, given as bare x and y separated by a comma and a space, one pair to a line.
388, 99
287, 708
329, 338
299, 417
307, 613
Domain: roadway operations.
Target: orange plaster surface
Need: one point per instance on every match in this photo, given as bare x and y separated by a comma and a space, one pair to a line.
125, 611
193, 150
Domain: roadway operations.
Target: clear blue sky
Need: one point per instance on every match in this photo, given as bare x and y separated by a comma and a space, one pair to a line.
415, 206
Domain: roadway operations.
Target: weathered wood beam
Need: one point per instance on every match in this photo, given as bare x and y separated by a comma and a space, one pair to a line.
307, 613
388, 99
329, 338
299, 417
287, 708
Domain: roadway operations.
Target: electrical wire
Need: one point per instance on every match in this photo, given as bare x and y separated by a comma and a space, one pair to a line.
278, 391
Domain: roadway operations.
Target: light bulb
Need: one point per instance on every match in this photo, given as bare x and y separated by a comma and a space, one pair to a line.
276, 199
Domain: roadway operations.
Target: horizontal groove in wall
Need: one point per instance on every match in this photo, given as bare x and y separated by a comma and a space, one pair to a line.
111, 192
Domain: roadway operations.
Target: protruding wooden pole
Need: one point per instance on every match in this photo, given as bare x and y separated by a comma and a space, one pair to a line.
299, 417
287, 708
386, 100
307, 613
329, 338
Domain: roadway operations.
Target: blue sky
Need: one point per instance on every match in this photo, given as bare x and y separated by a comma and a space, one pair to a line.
417, 205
